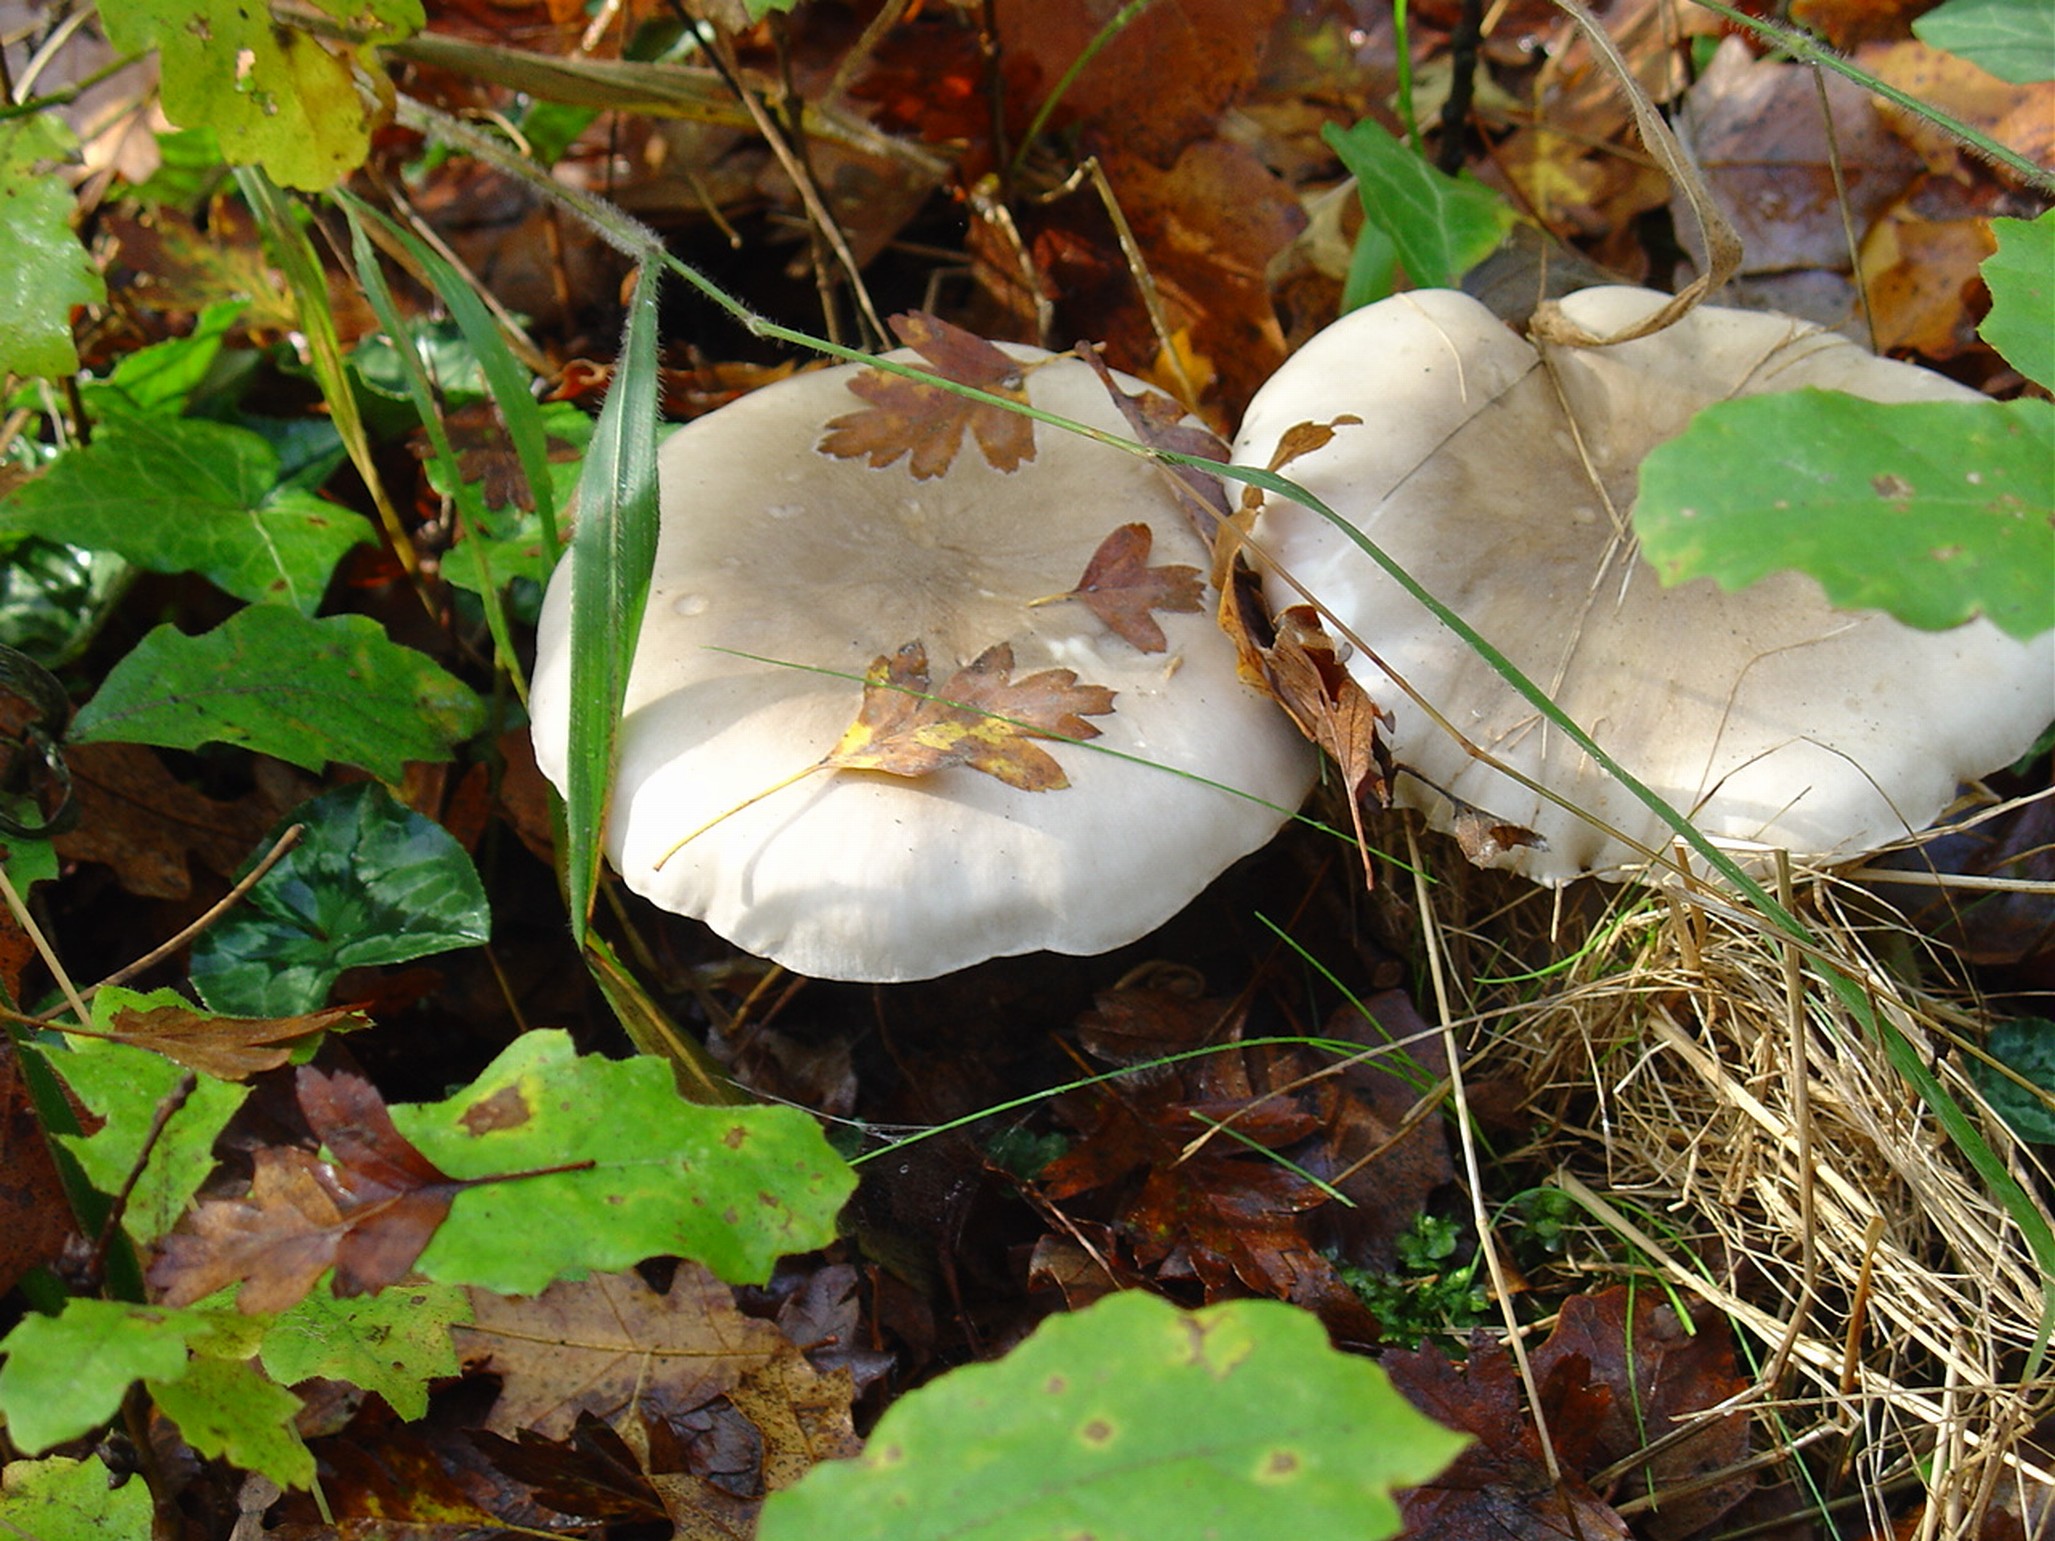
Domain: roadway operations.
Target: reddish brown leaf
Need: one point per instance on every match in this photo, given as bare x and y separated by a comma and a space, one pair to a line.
1121, 588
138, 819
1307, 675
927, 423
1161, 423
1485, 839
1498, 1488
1657, 1372
229, 1048
979, 719
35, 1214
369, 1211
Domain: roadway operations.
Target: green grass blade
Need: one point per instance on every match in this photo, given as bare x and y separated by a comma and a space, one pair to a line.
611, 555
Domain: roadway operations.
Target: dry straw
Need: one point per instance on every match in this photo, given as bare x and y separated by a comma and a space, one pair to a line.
1716, 1108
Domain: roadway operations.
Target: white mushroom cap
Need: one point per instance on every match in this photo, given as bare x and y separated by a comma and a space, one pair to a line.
1770, 717
770, 546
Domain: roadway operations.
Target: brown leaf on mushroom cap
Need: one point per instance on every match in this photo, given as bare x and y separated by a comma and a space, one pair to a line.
1121, 588
925, 422
1161, 423
979, 719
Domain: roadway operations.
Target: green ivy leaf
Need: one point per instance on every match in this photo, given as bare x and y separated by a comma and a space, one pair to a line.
1443, 226
732, 1188
228, 1408
392, 1343
1935, 511
43, 269
124, 1085
369, 883
2021, 276
161, 378
65, 1500
2025, 1045
66, 1375
2013, 39
183, 495
274, 681
274, 95
1127, 1421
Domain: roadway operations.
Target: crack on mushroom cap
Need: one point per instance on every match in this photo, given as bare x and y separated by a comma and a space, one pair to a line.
862, 876
1765, 711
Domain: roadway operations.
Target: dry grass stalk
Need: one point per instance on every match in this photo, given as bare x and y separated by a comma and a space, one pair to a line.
1664, 1061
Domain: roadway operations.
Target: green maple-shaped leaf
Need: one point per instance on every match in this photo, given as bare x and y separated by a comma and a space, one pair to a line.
392, 1343
60, 1499
275, 96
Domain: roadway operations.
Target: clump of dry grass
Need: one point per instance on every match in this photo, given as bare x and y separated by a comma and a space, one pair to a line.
1716, 1104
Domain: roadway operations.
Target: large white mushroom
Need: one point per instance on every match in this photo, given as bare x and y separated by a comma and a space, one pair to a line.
1500, 474
825, 549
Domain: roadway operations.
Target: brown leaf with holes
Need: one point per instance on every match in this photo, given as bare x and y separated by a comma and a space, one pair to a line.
369, 1210
978, 718
610, 1345
927, 423
228, 1048
1121, 588
1307, 675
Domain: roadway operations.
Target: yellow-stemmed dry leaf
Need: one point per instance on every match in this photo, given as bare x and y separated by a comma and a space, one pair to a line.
979, 718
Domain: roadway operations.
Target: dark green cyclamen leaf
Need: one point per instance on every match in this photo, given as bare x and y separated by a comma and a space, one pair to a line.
1935, 511
2021, 276
732, 1188
1131, 1420
276, 682
2027, 1047
183, 495
369, 883
1443, 226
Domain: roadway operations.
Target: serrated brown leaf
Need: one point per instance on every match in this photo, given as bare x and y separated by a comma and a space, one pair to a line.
1306, 674
228, 1048
368, 1211
1121, 588
1161, 423
978, 718
927, 423
610, 1344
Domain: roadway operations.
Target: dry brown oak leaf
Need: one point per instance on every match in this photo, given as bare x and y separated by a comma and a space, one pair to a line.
1307, 675
927, 423
1121, 588
608, 1344
978, 718
368, 1211
227, 1048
